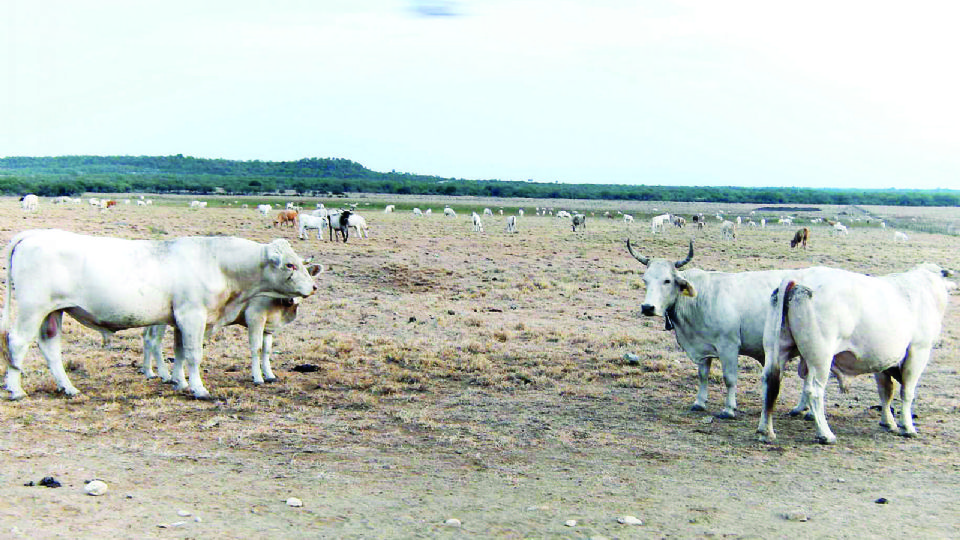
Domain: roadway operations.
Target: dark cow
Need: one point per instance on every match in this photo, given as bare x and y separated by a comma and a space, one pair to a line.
800, 238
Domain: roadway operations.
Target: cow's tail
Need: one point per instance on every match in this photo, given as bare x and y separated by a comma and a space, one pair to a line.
773, 327
5, 322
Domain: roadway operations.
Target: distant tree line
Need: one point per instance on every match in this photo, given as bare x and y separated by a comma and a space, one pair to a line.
73, 175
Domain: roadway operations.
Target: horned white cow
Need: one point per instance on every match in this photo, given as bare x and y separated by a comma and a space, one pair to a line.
105, 283
262, 316
854, 324
656, 224
714, 315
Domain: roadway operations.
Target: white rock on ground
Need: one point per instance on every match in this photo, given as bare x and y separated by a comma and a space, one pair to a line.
95, 488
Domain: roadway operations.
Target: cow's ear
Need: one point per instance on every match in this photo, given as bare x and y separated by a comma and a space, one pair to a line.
686, 288
315, 269
273, 255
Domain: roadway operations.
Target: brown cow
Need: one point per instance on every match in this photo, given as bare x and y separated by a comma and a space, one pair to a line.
801, 238
286, 216
111, 203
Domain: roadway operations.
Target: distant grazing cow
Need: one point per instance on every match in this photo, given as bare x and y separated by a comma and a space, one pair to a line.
447, 211
578, 220
112, 284
417, 212
30, 202
520, 212
627, 218
854, 324
286, 216
262, 316
899, 236
700, 221
656, 224
388, 208
840, 229
800, 238
487, 212
477, 224
512, 224
713, 314
679, 221
264, 209
728, 230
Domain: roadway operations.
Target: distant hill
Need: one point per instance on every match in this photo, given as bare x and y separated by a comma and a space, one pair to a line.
71, 175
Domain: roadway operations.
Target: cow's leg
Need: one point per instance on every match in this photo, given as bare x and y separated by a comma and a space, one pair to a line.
818, 384
255, 336
913, 365
191, 324
703, 375
268, 375
728, 361
153, 352
18, 340
177, 377
770, 389
49, 343
804, 402
885, 390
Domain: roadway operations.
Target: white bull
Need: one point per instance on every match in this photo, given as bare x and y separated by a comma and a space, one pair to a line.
30, 202
714, 315
262, 316
193, 283
264, 209
854, 324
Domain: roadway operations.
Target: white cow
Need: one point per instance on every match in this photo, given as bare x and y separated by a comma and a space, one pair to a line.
520, 212
264, 209
899, 236
428, 211
447, 211
656, 224
487, 212
30, 202
359, 224
477, 224
714, 315
728, 230
194, 204
627, 218
578, 220
417, 212
512, 224
840, 229
388, 208
310, 221
262, 316
194, 283
854, 324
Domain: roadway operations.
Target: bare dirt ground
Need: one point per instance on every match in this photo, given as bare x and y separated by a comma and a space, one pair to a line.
476, 376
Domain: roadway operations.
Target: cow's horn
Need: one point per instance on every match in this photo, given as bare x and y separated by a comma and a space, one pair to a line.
643, 260
679, 264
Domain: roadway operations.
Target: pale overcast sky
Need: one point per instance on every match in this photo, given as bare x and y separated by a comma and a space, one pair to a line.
858, 94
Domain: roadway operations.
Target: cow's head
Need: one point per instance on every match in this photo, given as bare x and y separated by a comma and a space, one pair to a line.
286, 274
664, 282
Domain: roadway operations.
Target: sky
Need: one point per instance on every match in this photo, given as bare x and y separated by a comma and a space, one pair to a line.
839, 94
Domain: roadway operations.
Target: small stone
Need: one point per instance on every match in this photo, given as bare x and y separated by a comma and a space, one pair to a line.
841, 480
570, 523
796, 516
452, 522
706, 420
629, 520
95, 488
294, 502
183, 513
197, 519
178, 524
881, 500
631, 358
163, 526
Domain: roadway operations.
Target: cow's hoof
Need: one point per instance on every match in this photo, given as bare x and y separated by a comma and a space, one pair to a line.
888, 427
765, 438
17, 396
269, 380
697, 407
725, 416
795, 412
909, 434
826, 440
808, 417
203, 397
258, 383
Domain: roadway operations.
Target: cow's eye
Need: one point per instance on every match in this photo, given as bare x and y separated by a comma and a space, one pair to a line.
292, 266
666, 282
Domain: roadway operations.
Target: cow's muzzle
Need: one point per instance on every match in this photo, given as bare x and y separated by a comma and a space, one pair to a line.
648, 310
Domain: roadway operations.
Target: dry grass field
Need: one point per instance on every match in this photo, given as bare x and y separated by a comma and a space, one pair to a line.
476, 376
